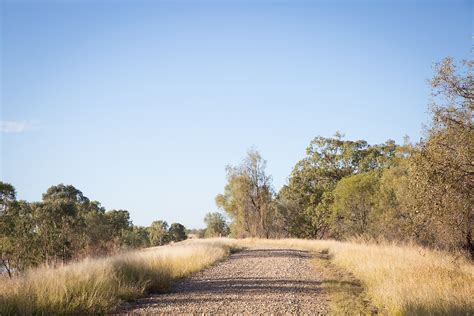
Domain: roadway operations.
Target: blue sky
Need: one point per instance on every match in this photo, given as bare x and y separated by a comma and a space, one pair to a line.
142, 104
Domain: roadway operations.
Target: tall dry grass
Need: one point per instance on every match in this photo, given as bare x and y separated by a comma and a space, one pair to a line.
100, 285
400, 279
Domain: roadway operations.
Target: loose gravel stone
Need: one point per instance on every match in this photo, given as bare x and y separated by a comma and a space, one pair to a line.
252, 281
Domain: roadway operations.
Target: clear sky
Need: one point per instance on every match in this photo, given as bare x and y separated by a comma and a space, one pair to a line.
142, 104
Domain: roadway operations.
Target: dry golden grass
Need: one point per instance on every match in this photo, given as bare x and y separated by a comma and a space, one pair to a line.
99, 285
399, 279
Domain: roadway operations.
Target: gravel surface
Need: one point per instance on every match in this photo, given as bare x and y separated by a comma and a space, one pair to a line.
252, 281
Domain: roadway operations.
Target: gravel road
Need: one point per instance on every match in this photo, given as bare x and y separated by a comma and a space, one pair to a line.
252, 281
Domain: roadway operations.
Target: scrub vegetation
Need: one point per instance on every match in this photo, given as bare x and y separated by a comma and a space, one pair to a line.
415, 192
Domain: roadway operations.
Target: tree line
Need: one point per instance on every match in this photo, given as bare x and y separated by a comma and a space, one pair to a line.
420, 192
216, 226
67, 226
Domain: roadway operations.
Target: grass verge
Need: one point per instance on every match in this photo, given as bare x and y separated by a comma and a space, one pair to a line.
100, 285
346, 294
398, 279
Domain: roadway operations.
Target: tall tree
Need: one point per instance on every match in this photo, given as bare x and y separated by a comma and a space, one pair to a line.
354, 204
18, 247
64, 192
443, 171
118, 221
247, 197
97, 237
59, 222
307, 197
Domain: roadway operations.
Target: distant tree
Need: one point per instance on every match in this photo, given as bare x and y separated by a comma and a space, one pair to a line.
98, 237
247, 197
118, 220
60, 221
18, 242
64, 192
136, 237
298, 217
64, 226
158, 232
287, 216
197, 232
392, 199
216, 225
177, 232
355, 204
201, 233
7, 198
7, 195
304, 204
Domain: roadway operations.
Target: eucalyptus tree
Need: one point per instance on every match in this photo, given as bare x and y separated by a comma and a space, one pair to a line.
7, 195
247, 197
442, 182
158, 232
216, 225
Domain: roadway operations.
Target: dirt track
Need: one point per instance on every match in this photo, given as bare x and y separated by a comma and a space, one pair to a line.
252, 281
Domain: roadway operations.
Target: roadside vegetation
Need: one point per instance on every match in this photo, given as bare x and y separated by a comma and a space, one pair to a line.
413, 192
358, 276
101, 285
416, 197
66, 226
396, 279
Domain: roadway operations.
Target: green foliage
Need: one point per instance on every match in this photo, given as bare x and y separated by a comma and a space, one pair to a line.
340, 189
98, 235
118, 220
304, 204
66, 225
177, 232
354, 204
158, 231
7, 195
216, 225
247, 198
135, 237
442, 179
58, 223
420, 192
17, 237
66, 193
392, 199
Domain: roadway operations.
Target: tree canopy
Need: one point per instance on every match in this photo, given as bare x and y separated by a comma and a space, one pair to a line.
66, 225
342, 188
